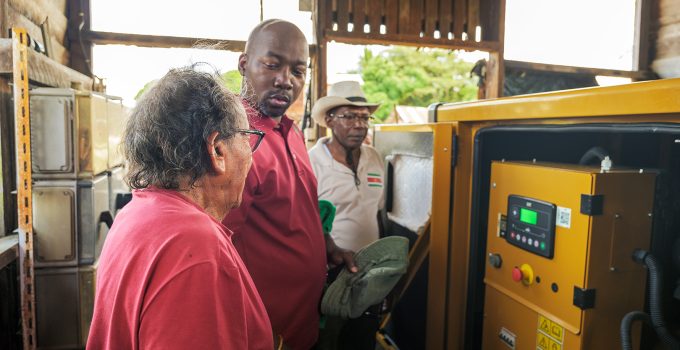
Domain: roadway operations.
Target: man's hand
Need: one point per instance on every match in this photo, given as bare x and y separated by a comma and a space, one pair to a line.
338, 256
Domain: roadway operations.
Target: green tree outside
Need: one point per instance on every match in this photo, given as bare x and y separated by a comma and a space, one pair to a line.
232, 80
415, 77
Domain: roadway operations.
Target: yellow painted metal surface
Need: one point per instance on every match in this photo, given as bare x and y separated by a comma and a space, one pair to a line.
643, 98
22, 134
439, 226
647, 102
591, 252
93, 137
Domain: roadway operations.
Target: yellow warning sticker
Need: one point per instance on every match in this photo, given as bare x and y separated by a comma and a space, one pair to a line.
549, 335
544, 324
555, 346
542, 341
556, 331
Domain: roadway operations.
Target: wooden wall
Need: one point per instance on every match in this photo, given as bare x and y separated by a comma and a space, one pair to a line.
450, 24
32, 15
463, 24
667, 54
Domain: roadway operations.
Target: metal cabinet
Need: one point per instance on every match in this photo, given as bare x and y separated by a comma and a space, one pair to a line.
64, 297
94, 217
71, 222
69, 133
116, 118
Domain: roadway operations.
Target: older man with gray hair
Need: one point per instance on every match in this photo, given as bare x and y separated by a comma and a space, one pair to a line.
169, 276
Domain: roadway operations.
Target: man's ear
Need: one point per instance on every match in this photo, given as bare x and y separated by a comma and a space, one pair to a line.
242, 61
329, 121
217, 152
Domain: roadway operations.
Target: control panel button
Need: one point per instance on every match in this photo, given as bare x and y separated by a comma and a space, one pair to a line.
524, 274
516, 274
495, 260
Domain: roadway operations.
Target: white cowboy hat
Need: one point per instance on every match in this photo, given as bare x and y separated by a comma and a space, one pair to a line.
343, 93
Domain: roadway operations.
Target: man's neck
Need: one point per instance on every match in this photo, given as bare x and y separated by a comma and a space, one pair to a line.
276, 119
339, 152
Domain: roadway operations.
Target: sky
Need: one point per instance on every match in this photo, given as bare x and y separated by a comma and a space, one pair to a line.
587, 33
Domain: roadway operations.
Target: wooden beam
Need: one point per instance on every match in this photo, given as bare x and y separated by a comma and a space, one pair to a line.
404, 17
638, 75
459, 17
375, 14
642, 38
42, 70
494, 76
142, 40
392, 17
81, 49
342, 11
4, 28
161, 41
472, 19
37, 10
413, 40
490, 20
319, 82
431, 17
416, 17
16, 19
445, 17
495, 70
359, 15
9, 250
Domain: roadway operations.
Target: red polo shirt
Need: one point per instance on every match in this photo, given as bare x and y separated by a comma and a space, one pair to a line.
278, 231
170, 278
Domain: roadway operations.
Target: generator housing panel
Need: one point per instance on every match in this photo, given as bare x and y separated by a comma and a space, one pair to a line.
573, 293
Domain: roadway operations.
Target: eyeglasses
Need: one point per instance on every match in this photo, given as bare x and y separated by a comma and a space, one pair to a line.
351, 118
255, 136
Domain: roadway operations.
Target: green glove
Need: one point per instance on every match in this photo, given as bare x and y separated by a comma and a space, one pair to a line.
327, 213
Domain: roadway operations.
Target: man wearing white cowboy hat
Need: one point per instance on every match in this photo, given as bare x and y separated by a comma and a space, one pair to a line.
350, 175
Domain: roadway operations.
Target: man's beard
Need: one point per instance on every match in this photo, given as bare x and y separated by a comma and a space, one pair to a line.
272, 113
249, 95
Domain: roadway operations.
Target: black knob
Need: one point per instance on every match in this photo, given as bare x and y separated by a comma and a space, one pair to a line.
495, 260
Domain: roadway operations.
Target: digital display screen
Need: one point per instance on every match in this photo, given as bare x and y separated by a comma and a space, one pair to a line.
528, 216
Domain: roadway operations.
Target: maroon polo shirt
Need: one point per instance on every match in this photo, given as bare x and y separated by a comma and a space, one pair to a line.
277, 231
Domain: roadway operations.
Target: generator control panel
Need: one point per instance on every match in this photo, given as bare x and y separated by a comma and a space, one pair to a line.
531, 225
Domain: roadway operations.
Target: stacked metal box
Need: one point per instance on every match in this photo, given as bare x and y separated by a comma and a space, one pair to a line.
77, 174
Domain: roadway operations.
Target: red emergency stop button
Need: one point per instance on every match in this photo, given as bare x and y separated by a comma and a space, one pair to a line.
516, 274
524, 274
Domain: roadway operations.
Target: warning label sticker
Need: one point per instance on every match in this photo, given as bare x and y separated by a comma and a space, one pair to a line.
549, 335
563, 218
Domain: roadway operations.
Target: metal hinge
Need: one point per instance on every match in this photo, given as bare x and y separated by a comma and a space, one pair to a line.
584, 298
592, 204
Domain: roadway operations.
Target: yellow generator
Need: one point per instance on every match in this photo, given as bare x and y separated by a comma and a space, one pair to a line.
559, 272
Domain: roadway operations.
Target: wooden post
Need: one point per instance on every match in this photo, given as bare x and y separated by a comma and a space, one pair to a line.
641, 48
495, 70
319, 82
79, 22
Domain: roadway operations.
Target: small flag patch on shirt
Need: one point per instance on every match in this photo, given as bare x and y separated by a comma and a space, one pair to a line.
374, 180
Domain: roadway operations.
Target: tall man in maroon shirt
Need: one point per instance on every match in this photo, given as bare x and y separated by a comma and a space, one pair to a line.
277, 227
